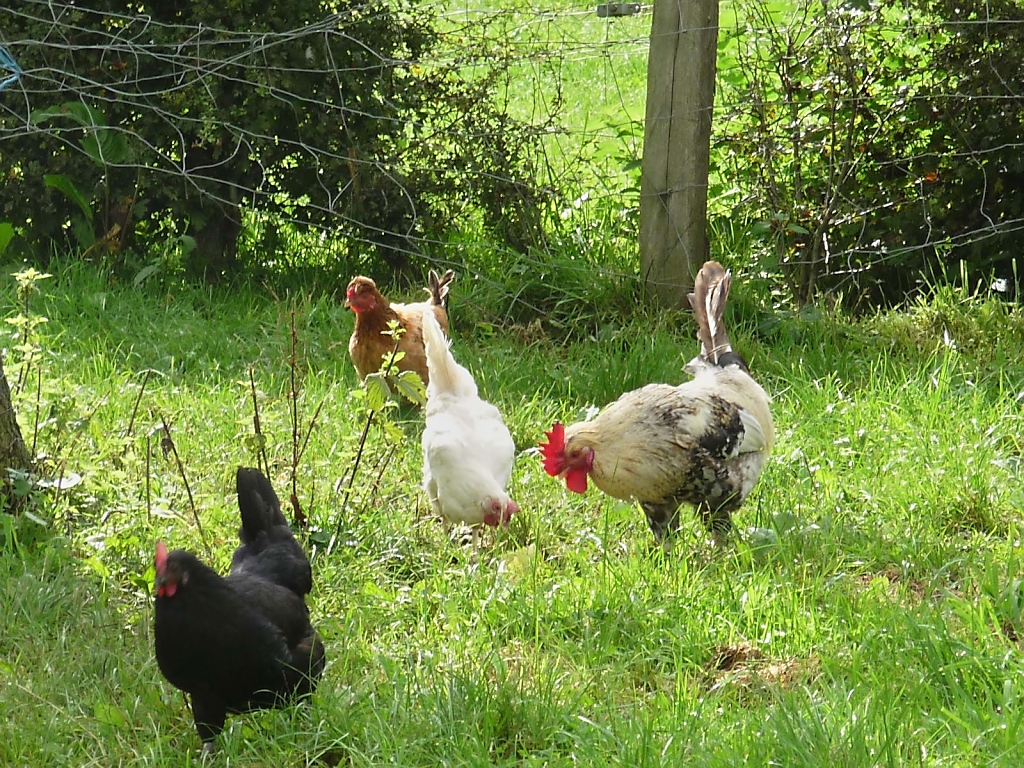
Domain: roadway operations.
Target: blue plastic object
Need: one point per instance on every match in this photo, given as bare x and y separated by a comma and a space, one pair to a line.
8, 63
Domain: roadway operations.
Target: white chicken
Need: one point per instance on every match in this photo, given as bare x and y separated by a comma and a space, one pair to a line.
467, 449
703, 442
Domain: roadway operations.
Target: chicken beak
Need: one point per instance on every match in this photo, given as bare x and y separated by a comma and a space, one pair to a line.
165, 588
511, 509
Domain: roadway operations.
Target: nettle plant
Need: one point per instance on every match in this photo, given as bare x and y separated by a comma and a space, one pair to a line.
383, 393
382, 386
54, 416
26, 349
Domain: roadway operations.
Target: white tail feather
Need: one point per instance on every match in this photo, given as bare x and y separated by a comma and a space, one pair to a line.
446, 375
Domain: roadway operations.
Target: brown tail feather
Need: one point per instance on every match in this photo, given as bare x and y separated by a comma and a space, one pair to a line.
438, 288
710, 291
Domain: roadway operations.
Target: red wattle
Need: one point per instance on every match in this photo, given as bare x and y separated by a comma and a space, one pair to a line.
576, 480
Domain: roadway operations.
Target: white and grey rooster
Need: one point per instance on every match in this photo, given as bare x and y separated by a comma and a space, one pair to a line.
703, 442
467, 449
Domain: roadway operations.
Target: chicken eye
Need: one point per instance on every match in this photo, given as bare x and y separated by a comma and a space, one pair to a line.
574, 454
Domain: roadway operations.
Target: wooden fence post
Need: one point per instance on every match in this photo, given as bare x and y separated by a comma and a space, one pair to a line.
677, 146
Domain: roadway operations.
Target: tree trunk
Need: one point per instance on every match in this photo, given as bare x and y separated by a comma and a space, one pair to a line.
13, 453
215, 257
677, 147
214, 213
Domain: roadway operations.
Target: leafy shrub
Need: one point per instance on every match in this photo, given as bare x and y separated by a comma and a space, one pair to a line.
193, 117
874, 143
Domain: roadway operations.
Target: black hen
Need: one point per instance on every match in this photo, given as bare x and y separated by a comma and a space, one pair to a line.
268, 548
244, 641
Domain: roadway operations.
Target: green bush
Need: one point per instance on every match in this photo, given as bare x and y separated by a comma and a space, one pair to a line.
874, 144
201, 119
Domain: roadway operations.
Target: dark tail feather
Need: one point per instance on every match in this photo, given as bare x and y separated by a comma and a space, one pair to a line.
710, 291
258, 505
267, 550
438, 288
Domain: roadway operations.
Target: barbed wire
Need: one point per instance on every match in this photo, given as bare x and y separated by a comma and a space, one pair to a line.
537, 42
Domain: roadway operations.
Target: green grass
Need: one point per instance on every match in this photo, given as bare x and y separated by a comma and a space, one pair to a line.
869, 614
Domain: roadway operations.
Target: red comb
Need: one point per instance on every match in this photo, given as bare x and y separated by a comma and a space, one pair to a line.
161, 556
553, 450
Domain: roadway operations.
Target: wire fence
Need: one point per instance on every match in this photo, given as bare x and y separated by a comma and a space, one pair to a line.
855, 146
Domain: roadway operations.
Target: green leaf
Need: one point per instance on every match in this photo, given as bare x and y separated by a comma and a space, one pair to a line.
8, 533
392, 432
62, 183
82, 230
394, 330
30, 515
377, 391
6, 235
78, 111
410, 386
27, 278
98, 566
106, 146
374, 590
145, 273
109, 714
255, 443
187, 243
390, 362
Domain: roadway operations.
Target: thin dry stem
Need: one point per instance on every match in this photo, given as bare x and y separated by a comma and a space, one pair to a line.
256, 428
184, 478
149, 495
138, 400
35, 421
359, 454
293, 364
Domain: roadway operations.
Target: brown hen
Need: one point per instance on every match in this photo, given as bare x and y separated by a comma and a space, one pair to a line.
370, 345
